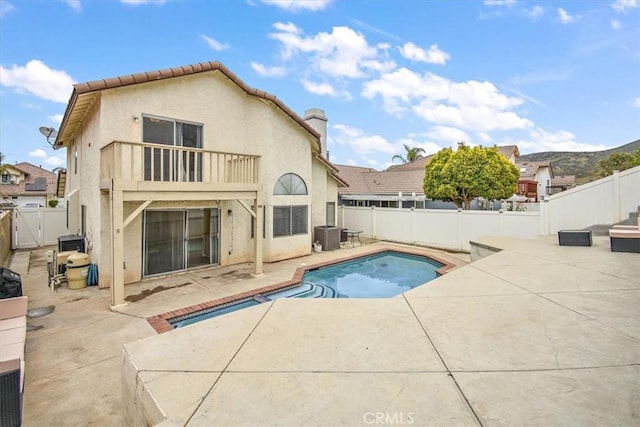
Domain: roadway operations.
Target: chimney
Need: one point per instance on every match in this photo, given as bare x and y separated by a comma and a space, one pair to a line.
318, 121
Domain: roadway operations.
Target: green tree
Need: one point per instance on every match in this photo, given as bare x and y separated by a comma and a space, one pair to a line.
618, 161
413, 153
460, 176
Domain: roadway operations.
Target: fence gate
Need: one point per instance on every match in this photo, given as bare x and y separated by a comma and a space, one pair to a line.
35, 227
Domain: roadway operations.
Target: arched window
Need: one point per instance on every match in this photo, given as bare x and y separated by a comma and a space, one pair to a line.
290, 183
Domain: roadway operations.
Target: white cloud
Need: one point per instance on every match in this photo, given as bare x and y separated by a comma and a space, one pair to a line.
624, 5
137, 2
56, 118
323, 88
615, 24
361, 143
484, 137
479, 118
429, 147
564, 17
432, 56
471, 105
263, 70
55, 161
507, 3
38, 152
38, 79
346, 130
341, 53
46, 158
6, 8
364, 144
541, 140
447, 134
535, 12
74, 4
288, 27
636, 102
214, 44
296, 5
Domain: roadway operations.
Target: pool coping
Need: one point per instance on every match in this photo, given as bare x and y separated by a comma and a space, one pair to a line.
160, 322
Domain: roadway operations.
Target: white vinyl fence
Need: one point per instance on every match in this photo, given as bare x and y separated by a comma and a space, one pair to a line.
35, 227
446, 229
605, 201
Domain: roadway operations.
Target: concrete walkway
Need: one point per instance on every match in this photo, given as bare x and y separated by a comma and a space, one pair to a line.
534, 335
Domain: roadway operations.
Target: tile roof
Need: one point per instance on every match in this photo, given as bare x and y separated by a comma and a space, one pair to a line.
529, 169
508, 150
77, 107
363, 180
96, 86
31, 173
418, 164
564, 180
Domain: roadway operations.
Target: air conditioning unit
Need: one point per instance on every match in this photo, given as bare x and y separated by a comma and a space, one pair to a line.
328, 236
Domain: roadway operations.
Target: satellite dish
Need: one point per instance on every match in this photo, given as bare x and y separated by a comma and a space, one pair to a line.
49, 133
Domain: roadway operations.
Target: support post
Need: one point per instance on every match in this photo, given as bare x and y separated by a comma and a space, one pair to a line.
117, 246
616, 196
257, 232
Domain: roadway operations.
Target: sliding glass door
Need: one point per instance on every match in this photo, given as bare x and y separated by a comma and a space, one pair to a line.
178, 239
164, 241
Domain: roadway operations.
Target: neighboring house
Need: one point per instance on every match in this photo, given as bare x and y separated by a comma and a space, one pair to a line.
561, 183
535, 179
397, 186
26, 185
185, 167
368, 187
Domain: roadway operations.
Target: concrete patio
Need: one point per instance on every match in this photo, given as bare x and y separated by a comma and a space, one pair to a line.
535, 334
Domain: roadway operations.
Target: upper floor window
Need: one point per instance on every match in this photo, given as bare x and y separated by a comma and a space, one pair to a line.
171, 132
290, 184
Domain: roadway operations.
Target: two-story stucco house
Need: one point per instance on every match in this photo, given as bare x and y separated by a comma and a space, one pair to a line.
26, 185
186, 167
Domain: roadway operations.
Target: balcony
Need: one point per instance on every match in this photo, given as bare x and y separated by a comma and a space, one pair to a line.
145, 168
528, 188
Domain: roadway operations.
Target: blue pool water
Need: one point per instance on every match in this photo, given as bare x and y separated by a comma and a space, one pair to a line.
382, 275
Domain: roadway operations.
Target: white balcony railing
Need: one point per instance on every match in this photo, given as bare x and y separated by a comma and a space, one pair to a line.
161, 163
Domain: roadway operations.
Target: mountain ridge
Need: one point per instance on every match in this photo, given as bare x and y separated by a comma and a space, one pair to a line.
582, 164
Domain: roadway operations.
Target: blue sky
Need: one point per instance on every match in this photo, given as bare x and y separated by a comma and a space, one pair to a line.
544, 75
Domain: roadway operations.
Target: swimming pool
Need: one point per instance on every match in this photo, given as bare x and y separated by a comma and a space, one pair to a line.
381, 275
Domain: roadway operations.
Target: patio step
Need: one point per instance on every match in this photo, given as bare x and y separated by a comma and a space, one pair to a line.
603, 229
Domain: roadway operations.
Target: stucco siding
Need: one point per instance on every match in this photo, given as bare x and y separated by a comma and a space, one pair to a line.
82, 185
232, 121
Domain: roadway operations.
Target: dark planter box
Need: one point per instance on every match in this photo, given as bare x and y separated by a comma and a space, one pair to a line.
574, 238
620, 244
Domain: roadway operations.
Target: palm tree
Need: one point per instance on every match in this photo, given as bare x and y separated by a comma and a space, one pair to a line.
413, 153
2, 165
